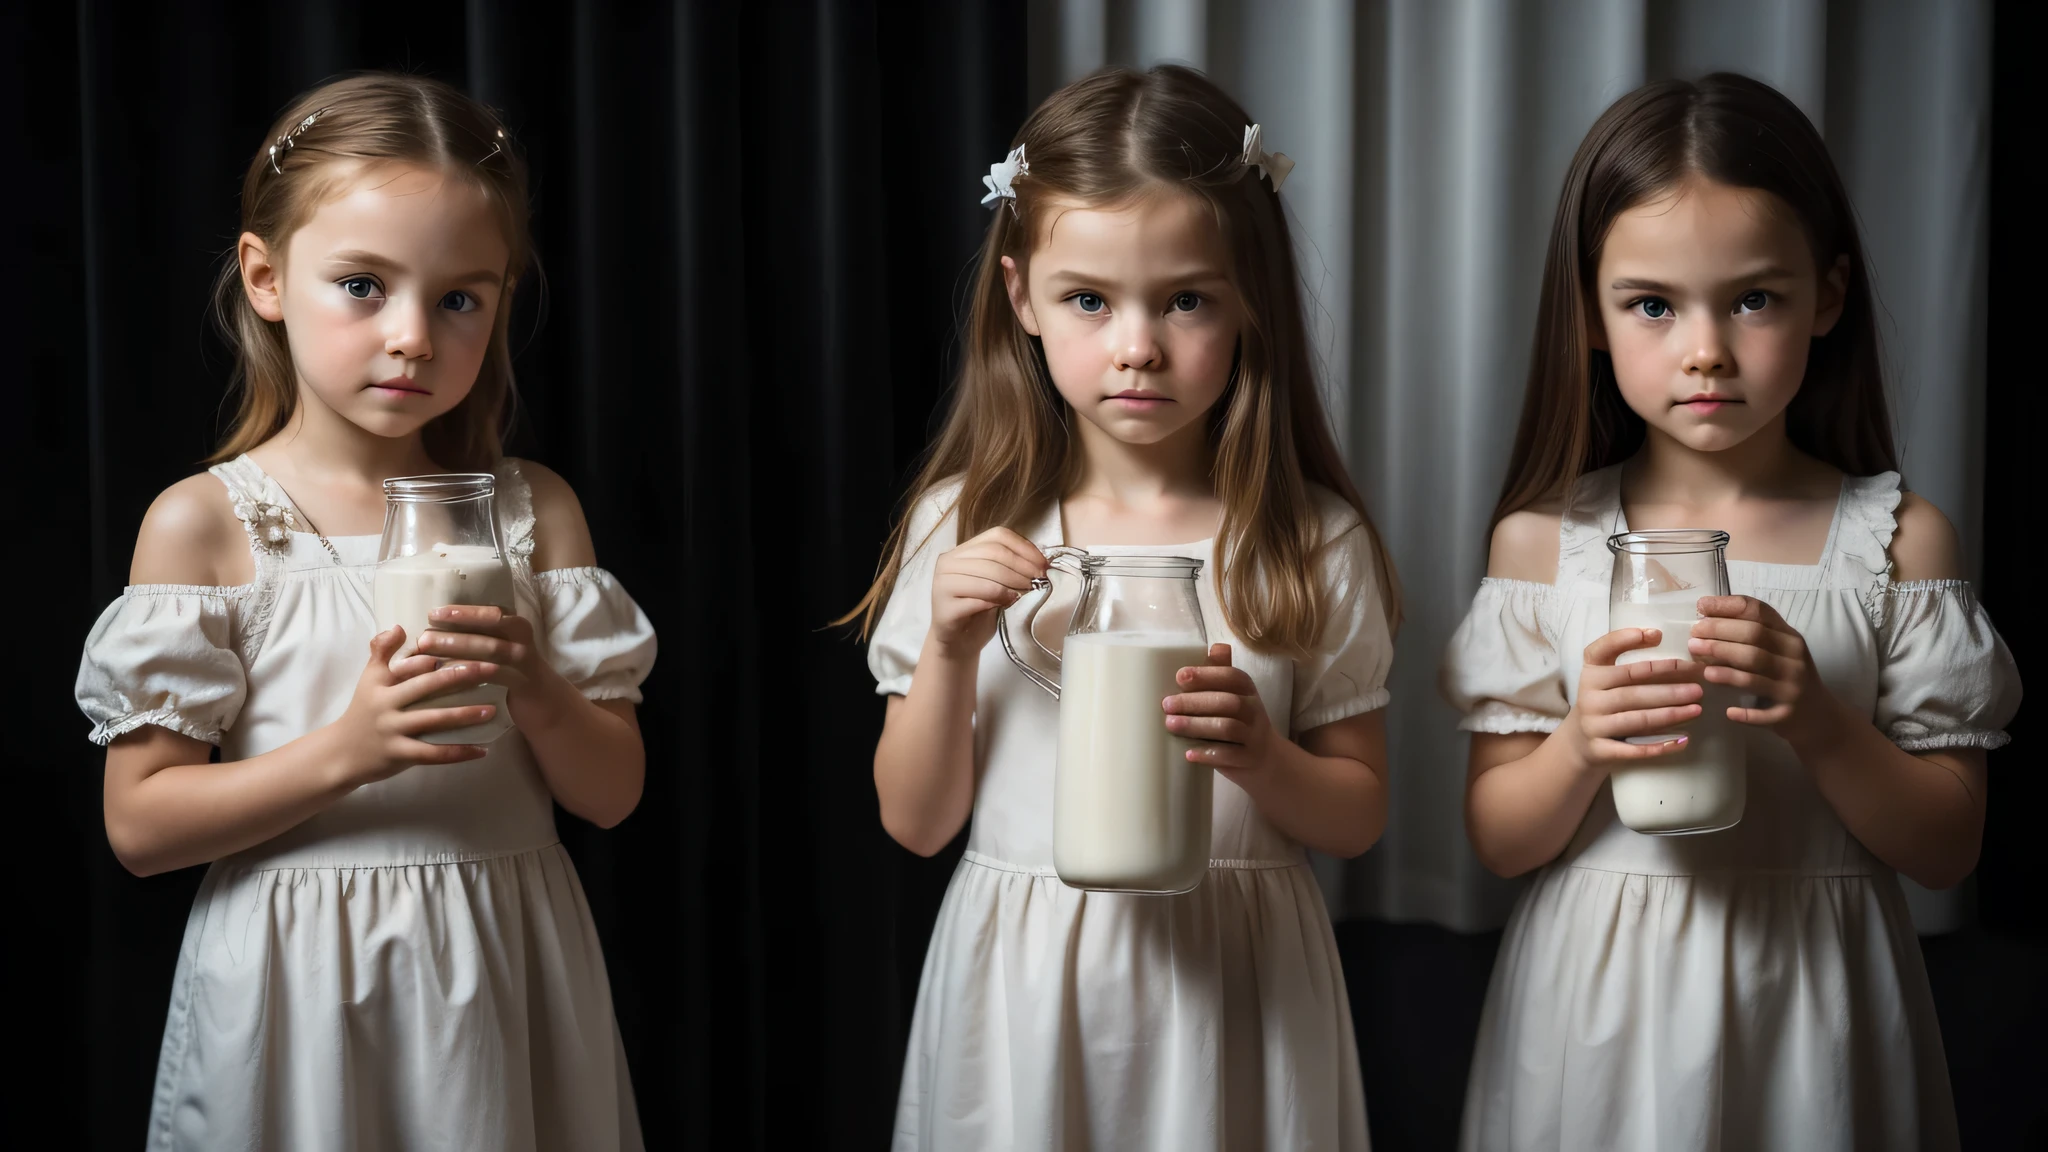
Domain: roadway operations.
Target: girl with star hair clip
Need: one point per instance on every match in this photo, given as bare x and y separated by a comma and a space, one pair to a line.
391, 948
1138, 380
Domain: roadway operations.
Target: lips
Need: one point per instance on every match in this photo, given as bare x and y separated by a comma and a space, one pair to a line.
1142, 398
1707, 402
400, 386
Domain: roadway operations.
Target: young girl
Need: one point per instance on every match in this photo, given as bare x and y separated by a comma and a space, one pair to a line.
1706, 356
391, 949
1138, 380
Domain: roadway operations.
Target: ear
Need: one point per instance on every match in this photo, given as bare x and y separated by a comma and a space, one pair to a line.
262, 279
1832, 297
1020, 297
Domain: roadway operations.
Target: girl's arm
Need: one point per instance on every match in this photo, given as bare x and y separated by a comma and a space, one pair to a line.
924, 763
589, 751
166, 807
1527, 793
1921, 814
1328, 791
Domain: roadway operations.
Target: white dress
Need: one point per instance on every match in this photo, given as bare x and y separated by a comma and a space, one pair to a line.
415, 966
1757, 988
1050, 1018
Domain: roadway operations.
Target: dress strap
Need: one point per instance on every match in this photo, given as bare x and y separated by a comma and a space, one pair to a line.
1860, 557
1591, 515
514, 501
267, 521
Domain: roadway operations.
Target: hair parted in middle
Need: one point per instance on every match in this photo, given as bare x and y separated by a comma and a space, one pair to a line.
1112, 139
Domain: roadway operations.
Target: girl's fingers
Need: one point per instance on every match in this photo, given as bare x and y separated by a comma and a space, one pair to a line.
1602, 678
1002, 571
1220, 756
1643, 722
446, 678
1761, 717
467, 617
955, 586
1742, 632
1743, 608
1204, 704
1720, 653
1023, 551
1615, 701
1620, 750
466, 646
384, 645
420, 721
413, 665
1216, 678
1607, 649
1761, 685
421, 752
1219, 728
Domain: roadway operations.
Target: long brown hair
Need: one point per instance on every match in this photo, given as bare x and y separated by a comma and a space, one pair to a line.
1735, 131
1111, 138
380, 118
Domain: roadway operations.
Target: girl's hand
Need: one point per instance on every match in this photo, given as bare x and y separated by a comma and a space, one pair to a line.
1219, 705
1745, 645
975, 579
379, 738
485, 632
1617, 701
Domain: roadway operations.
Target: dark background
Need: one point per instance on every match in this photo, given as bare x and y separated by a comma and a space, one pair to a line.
754, 221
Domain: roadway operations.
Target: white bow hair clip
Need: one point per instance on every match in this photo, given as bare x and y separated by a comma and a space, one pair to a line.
1274, 165
1000, 176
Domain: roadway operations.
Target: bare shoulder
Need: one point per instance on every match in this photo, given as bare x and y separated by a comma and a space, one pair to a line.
190, 536
1924, 545
1525, 545
561, 536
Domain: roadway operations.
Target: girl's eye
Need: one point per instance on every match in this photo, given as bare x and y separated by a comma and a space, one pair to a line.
359, 287
1652, 308
1186, 302
1752, 302
1090, 303
459, 302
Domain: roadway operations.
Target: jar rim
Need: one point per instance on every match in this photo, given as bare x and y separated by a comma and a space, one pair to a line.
1667, 541
1161, 567
440, 487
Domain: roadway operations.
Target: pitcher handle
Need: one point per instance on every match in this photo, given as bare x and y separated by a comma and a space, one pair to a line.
1061, 559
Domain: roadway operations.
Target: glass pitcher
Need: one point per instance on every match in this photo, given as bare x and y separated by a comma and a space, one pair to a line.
440, 547
1130, 813
1658, 580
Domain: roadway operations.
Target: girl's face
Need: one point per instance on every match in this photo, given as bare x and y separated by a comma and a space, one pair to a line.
1134, 307
1708, 299
388, 294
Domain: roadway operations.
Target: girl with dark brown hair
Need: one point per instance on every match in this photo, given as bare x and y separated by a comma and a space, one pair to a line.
391, 948
1138, 379
1706, 357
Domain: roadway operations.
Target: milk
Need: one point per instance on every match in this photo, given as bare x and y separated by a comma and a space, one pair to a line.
407, 588
1699, 788
1130, 813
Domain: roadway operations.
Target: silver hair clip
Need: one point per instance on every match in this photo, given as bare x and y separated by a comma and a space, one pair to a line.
285, 142
497, 146
1270, 164
1001, 177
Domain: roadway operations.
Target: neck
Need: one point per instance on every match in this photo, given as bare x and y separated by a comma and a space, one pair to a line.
1178, 466
318, 443
1666, 471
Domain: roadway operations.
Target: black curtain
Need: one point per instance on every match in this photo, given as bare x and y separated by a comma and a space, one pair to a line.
751, 220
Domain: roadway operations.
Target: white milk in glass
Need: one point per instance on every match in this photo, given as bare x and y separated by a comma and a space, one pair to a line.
1699, 788
407, 588
1130, 812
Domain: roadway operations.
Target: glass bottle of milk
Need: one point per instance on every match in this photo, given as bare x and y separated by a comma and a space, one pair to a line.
1659, 578
441, 547
1130, 813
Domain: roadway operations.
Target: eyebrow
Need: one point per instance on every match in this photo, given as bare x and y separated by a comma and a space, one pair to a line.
372, 260
1201, 274
1767, 272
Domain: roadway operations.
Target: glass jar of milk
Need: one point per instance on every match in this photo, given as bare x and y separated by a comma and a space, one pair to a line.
1130, 813
1658, 580
441, 547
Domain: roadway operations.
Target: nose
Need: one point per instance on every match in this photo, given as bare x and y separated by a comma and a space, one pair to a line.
1137, 346
1710, 354
407, 331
